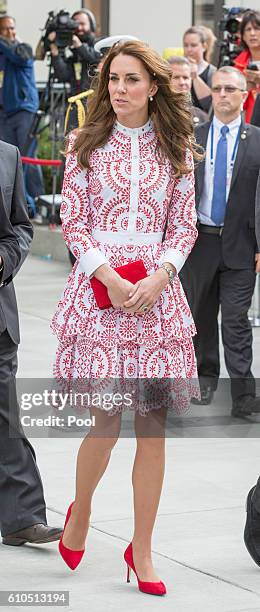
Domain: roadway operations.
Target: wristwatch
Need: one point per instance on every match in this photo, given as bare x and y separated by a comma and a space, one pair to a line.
170, 272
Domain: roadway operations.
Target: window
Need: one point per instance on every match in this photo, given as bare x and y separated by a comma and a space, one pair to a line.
208, 13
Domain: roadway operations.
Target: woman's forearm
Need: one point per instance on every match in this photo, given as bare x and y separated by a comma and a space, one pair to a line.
201, 89
106, 275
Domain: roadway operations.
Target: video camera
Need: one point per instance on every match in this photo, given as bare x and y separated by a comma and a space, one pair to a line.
63, 25
229, 34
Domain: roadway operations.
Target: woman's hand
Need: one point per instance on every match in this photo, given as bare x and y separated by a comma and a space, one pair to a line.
252, 77
146, 292
118, 290
193, 67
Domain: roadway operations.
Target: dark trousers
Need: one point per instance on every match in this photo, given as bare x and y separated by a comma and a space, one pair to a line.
21, 493
16, 131
209, 284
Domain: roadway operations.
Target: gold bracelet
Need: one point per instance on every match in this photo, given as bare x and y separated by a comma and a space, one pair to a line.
170, 272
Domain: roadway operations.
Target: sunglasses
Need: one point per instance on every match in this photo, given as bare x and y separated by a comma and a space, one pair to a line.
227, 88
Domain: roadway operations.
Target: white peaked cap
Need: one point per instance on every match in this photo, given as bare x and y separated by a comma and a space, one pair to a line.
106, 43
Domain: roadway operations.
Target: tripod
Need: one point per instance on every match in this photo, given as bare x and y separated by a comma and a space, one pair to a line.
51, 114
58, 97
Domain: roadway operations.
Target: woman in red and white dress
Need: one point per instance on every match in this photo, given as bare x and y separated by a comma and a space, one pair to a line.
129, 174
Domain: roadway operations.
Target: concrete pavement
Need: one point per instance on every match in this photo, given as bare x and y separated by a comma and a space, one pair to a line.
212, 461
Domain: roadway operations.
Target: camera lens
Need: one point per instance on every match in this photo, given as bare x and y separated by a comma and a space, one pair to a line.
233, 26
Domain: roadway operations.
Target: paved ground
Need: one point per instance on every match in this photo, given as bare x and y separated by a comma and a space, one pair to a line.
212, 461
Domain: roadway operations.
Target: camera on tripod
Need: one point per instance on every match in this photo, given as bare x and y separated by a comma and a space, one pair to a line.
229, 34
64, 27
230, 23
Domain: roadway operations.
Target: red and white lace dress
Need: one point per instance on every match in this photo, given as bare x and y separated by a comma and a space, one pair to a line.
116, 213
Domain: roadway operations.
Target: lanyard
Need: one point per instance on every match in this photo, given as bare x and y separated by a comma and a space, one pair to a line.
232, 161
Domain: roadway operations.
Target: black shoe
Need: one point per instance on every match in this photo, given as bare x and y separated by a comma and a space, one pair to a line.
245, 406
35, 534
252, 529
206, 397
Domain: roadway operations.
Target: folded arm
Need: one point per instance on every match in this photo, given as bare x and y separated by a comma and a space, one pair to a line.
16, 231
18, 53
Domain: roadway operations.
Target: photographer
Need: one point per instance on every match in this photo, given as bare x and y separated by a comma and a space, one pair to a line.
75, 68
248, 61
19, 97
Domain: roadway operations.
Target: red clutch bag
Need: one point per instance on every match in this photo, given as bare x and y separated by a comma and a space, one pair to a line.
132, 272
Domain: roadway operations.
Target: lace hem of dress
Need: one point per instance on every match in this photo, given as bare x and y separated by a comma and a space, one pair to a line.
115, 396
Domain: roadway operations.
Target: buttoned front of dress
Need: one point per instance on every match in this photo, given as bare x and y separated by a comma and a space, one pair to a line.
134, 177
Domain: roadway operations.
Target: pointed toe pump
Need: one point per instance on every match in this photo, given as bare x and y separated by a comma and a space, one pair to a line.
71, 557
152, 588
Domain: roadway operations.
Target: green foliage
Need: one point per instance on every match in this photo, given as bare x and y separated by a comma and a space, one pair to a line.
44, 151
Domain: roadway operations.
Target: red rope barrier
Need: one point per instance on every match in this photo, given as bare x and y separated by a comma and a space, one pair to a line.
41, 162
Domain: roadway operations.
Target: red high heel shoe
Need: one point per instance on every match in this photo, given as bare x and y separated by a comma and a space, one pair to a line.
71, 557
153, 588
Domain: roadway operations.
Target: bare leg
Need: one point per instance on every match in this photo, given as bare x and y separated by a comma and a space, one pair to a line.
93, 458
147, 479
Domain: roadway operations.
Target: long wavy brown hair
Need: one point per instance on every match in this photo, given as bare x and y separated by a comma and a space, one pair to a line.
169, 111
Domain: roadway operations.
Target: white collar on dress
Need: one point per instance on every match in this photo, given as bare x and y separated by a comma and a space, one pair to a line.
133, 131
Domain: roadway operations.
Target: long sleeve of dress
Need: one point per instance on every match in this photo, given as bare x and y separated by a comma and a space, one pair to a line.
74, 215
181, 232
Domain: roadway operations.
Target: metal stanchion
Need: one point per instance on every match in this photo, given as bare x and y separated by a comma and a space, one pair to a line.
254, 315
54, 199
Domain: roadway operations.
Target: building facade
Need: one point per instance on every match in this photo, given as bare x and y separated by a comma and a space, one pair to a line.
160, 25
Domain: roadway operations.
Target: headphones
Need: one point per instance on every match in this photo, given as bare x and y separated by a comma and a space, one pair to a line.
92, 19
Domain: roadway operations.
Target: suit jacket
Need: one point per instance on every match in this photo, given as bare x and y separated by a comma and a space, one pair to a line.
15, 234
238, 238
255, 120
257, 214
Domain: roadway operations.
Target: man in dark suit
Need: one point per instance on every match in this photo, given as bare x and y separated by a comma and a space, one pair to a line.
252, 526
22, 505
221, 269
257, 213
255, 119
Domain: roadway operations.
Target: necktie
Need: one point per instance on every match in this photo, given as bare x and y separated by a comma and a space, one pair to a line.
220, 179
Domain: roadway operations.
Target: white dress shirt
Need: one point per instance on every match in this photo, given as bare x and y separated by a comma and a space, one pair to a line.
204, 208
